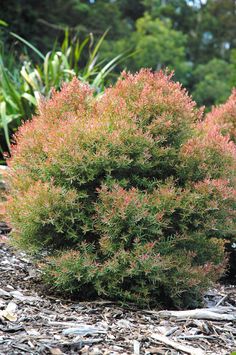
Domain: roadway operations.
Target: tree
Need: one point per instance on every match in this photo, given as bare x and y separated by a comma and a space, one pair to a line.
212, 82
180, 34
156, 45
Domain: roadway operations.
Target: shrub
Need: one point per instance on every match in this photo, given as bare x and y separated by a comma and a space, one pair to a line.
47, 211
207, 155
225, 117
3, 187
141, 275
132, 197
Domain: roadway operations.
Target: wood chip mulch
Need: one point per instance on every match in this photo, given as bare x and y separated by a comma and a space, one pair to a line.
33, 322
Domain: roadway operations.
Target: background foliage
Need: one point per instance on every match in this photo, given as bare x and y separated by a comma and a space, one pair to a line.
24, 86
184, 34
194, 38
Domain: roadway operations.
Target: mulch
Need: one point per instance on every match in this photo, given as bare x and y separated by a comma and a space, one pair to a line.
34, 321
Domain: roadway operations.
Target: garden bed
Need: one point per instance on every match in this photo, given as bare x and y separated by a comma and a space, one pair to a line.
33, 321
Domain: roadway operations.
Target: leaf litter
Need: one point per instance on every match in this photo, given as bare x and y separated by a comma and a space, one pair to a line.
32, 321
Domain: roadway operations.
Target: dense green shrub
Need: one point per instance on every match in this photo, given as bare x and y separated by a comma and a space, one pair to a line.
129, 192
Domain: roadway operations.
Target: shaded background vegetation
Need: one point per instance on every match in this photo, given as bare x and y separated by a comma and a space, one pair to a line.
194, 38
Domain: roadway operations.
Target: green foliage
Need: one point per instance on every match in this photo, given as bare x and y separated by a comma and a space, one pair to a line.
64, 211
213, 82
43, 21
14, 105
158, 45
130, 192
140, 275
20, 91
233, 65
184, 35
74, 271
124, 216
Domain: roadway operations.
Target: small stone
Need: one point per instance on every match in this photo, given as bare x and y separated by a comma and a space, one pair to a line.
96, 351
124, 323
55, 351
83, 330
32, 332
136, 347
